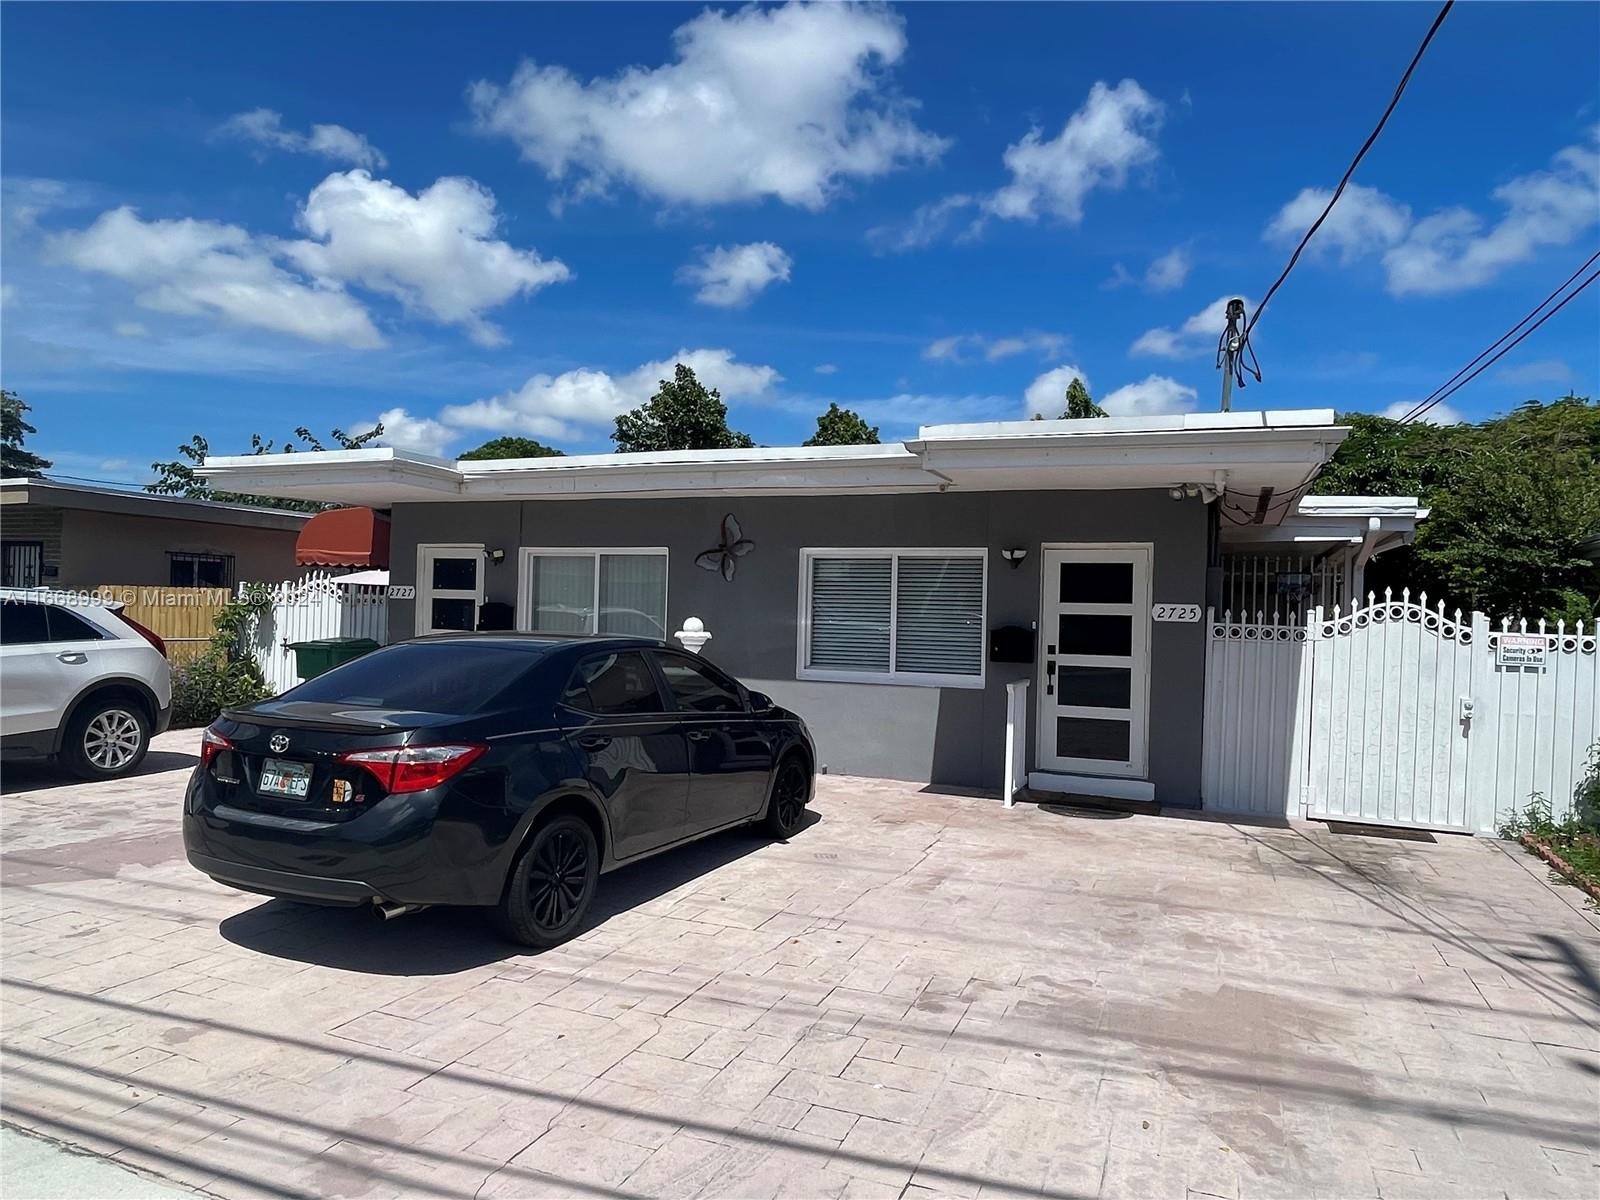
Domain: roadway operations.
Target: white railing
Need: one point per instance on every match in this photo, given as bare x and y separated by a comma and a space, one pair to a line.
1396, 713
1287, 584
317, 606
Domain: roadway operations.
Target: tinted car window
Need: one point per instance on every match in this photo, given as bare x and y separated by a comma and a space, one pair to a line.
70, 627
697, 688
614, 683
427, 676
22, 621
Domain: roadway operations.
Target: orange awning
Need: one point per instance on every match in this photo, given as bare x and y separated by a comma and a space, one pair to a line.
344, 537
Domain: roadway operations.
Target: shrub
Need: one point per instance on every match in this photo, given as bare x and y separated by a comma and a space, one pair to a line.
224, 675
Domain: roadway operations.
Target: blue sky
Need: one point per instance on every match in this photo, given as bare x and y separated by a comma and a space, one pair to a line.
486, 219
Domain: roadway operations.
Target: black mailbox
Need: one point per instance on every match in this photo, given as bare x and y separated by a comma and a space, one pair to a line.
1012, 644
496, 615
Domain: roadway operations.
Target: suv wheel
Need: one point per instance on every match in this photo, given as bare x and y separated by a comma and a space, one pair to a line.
106, 738
551, 886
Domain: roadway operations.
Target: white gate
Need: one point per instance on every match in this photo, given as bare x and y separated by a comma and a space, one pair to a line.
1395, 714
318, 606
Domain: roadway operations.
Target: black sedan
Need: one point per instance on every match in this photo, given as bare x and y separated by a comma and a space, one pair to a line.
508, 771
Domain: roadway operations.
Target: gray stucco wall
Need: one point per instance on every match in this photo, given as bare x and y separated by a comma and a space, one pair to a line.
118, 548
953, 736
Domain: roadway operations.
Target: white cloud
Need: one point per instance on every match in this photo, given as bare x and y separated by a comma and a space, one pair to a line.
1455, 248
1439, 414
1169, 271
964, 347
264, 127
1098, 146
406, 432
557, 406
435, 251
1544, 370
1152, 396
1046, 395
130, 329
194, 267
924, 227
8, 295
1198, 335
1365, 221
761, 102
733, 276
906, 411
1165, 274
825, 369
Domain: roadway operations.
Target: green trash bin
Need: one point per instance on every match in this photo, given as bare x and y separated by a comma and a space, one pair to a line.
323, 654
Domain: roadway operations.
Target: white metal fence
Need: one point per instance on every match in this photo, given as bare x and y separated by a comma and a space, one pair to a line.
1396, 713
1290, 584
317, 606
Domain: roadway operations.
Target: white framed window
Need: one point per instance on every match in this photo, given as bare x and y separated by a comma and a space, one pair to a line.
449, 586
617, 590
894, 616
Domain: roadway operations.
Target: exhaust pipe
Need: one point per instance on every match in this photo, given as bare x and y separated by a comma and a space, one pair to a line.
388, 910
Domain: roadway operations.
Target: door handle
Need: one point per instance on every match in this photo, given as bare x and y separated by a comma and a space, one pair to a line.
698, 735
1049, 679
594, 741
73, 658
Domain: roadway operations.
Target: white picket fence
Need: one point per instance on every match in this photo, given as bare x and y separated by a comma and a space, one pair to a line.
1395, 713
316, 606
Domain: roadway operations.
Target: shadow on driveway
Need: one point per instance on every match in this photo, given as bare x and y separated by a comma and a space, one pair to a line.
41, 775
444, 941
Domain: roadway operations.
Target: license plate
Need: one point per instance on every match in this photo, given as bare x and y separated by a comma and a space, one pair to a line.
279, 777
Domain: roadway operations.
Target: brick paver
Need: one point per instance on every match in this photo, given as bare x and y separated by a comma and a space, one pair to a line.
921, 994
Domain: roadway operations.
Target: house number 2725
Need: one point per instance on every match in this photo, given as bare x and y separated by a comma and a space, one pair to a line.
1175, 612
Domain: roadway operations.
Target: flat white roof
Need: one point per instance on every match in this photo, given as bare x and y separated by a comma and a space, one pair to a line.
1244, 451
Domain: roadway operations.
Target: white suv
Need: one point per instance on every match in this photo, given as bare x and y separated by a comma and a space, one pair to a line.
79, 681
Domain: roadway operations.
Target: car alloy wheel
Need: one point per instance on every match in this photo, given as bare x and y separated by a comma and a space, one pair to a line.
112, 739
789, 795
558, 879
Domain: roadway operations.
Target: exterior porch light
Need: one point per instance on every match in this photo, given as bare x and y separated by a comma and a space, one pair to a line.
1014, 555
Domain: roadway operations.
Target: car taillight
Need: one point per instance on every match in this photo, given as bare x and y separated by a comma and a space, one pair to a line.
414, 768
212, 744
148, 635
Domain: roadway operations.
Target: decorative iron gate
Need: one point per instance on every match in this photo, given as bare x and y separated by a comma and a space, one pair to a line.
1396, 714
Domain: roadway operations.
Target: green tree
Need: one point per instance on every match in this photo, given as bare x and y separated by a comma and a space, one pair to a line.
683, 415
14, 429
1515, 506
1079, 403
514, 447
842, 427
177, 477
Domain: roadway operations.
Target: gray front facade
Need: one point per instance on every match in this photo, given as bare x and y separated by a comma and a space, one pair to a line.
944, 735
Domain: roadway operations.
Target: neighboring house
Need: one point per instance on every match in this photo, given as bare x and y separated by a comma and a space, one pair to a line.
72, 535
889, 594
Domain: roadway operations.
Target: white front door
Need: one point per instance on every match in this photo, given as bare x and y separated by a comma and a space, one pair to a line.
1094, 673
449, 587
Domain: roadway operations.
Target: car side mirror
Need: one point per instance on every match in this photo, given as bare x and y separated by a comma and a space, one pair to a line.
761, 702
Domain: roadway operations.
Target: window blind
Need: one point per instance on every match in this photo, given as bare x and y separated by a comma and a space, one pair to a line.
939, 616
850, 614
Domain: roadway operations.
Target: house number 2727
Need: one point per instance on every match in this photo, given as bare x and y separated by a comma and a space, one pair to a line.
1175, 612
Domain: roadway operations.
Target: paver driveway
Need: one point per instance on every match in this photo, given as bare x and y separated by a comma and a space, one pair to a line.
919, 994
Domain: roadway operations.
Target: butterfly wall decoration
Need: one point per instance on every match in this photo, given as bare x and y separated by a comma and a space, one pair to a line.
734, 547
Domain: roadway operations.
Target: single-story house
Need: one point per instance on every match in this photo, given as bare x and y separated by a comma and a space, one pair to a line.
74, 535
889, 594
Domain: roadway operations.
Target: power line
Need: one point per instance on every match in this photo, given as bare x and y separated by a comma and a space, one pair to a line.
1422, 405
1351, 170
1441, 395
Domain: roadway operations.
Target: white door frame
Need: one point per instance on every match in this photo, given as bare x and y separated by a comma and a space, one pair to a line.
1142, 556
